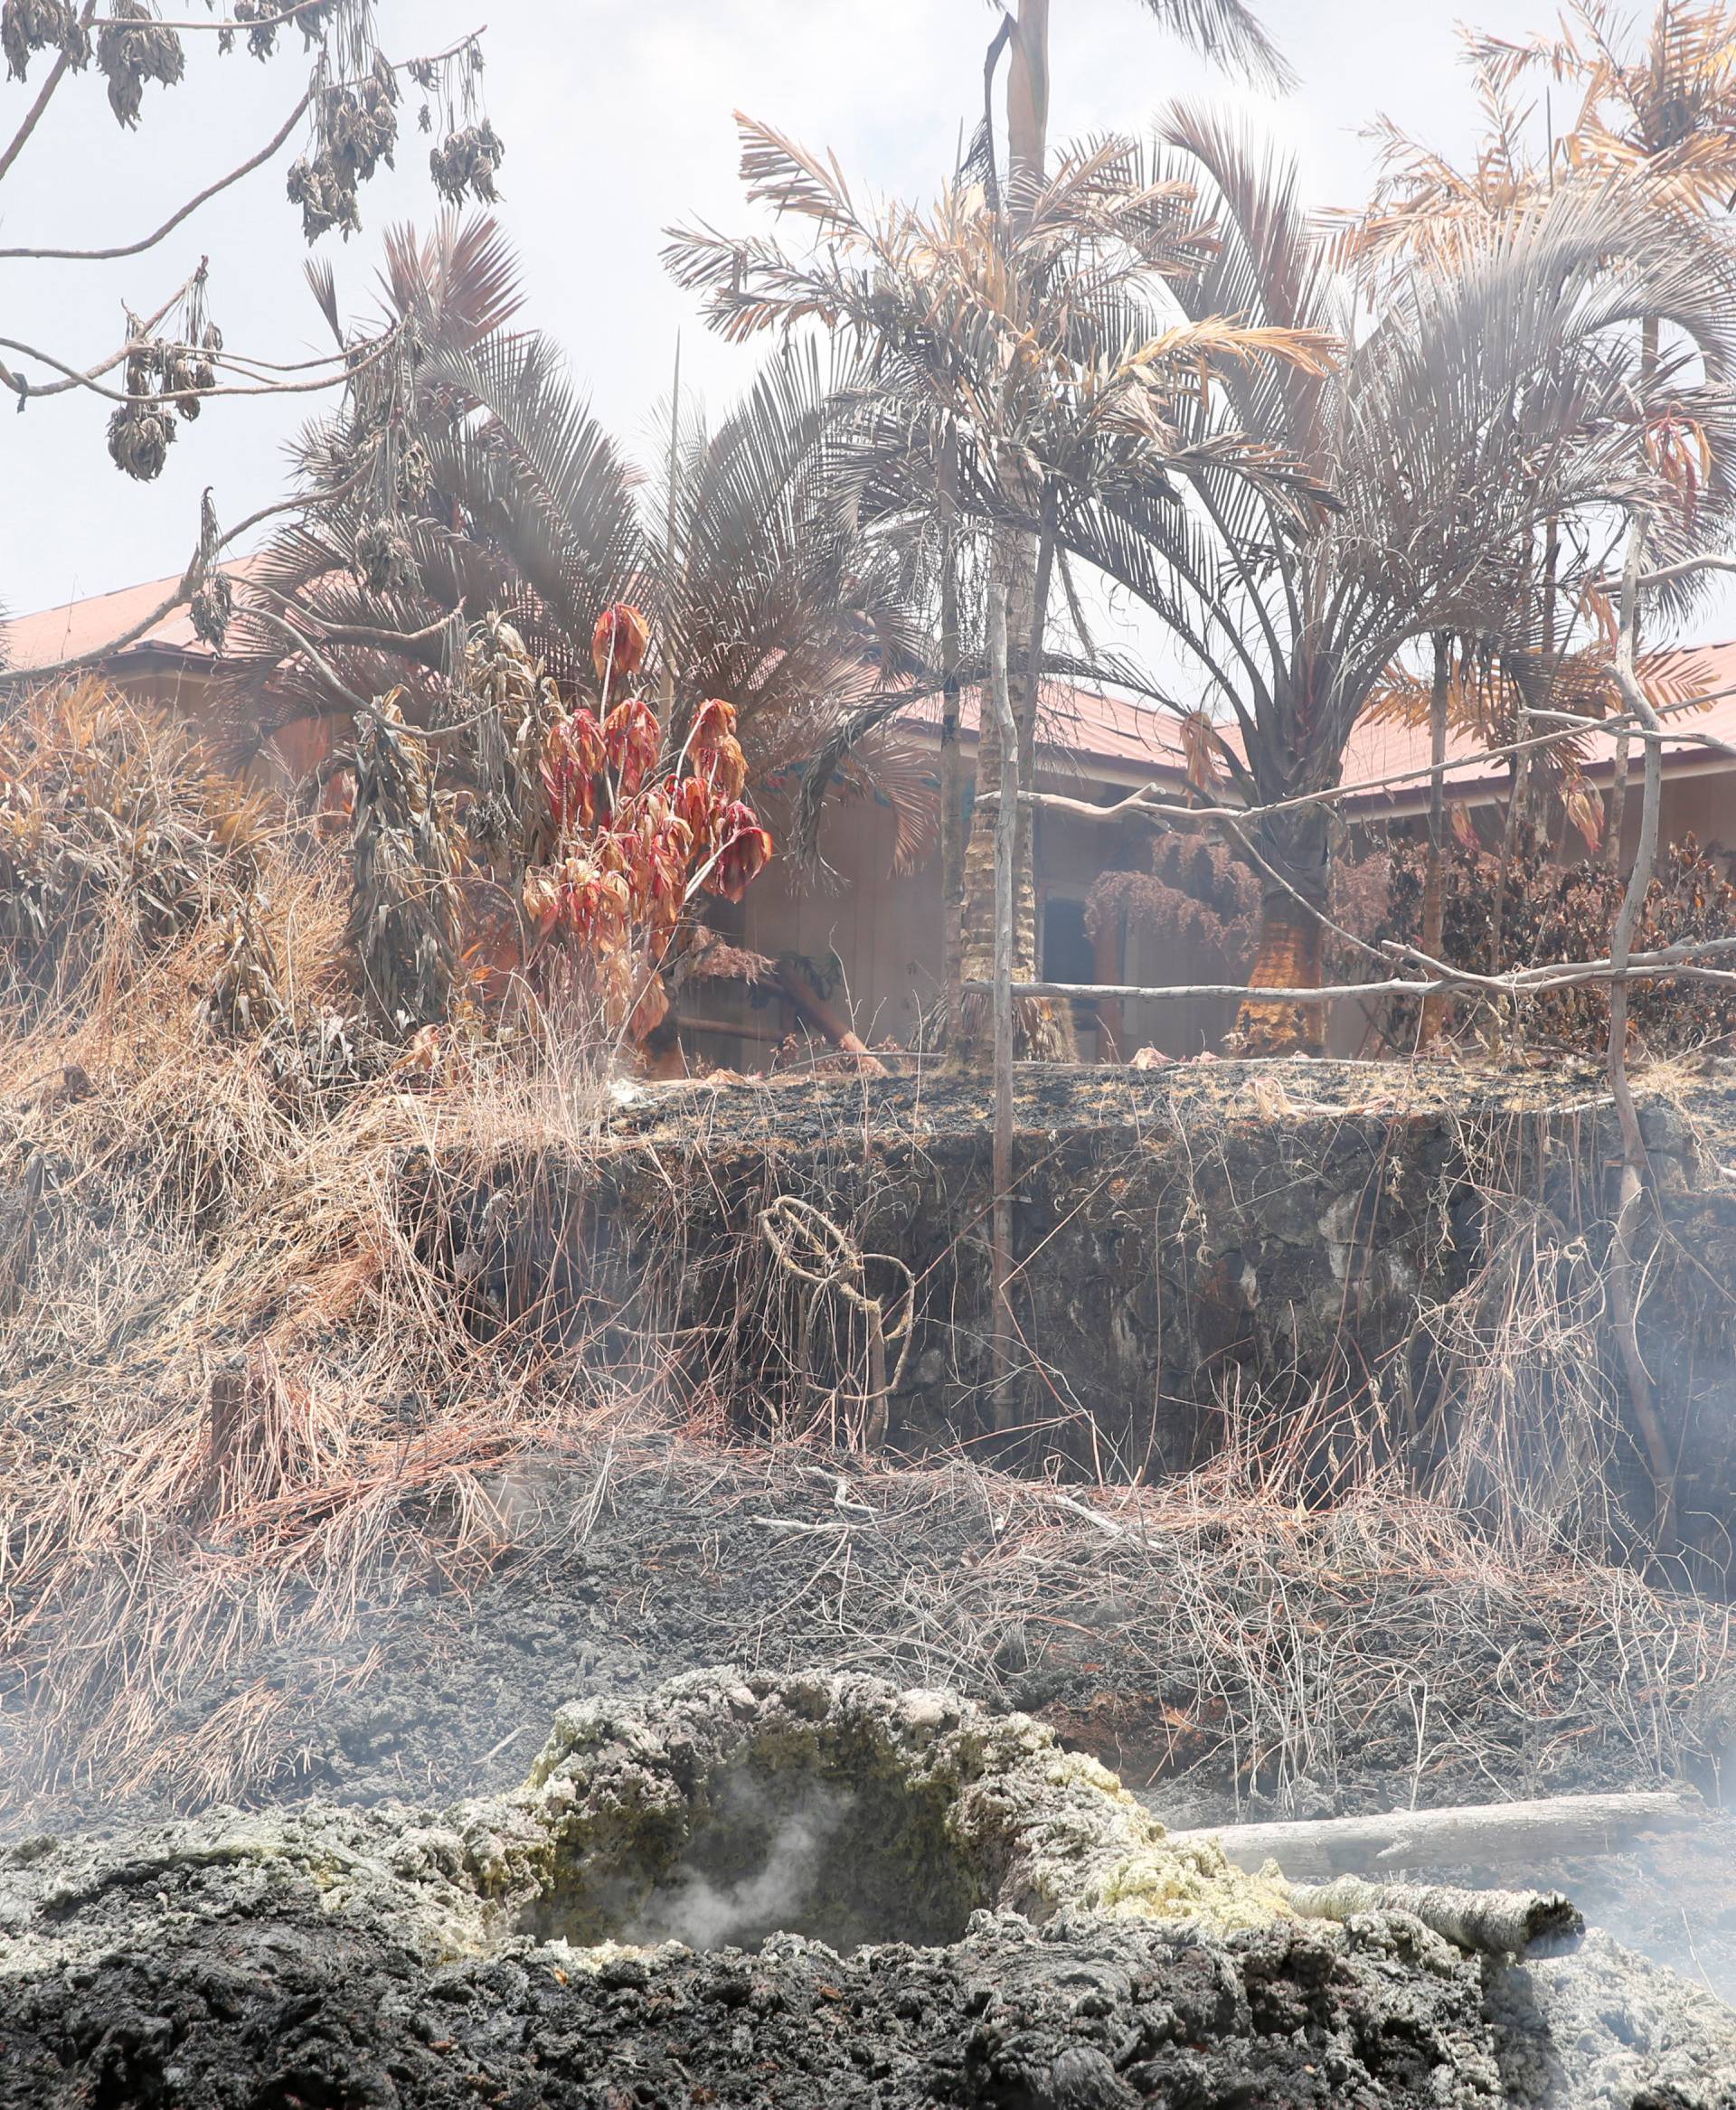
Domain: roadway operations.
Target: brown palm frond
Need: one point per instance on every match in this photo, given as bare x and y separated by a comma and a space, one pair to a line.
788, 178
464, 280
1663, 108
1487, 689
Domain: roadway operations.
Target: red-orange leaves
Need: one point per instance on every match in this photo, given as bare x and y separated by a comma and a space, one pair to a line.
697, 804
1199, 749
716, 751
630, 742
745, 854
582, 898
572, 755
617, 644
633, 848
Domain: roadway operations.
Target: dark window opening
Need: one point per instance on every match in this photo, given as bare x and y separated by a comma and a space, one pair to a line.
1067, 953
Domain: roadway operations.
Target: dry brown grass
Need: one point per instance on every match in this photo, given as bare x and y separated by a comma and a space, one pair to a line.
244, 1404
237, 1398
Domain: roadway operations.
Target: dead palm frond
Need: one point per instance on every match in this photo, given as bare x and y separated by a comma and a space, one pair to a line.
1228, 33
1661, 108
1425, 208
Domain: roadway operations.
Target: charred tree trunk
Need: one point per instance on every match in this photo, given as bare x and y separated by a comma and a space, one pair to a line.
1291, 850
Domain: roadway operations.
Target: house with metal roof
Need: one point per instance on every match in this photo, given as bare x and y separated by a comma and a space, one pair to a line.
868, 933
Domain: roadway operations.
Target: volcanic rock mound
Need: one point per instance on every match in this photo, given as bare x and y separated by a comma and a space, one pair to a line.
807, 1890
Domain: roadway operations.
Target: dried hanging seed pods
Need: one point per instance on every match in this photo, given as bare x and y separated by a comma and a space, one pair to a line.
131, 56
466, 164
384, 559
140, 435
213, 607
415, 474
262, 19
355, 129
42, 25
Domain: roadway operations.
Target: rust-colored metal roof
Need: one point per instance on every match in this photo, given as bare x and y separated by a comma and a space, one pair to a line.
1132, 741
77, 627
1138, 740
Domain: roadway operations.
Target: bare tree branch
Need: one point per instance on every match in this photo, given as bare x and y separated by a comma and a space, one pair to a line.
29, 676
88, 380
1146, 803
174, 219
33, 117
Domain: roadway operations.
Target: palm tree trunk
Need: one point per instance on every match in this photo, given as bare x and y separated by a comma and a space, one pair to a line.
1434, 877
1291, 953
1509, 844
1648, 337
1027, 96
952, 775
1014, 583
1020, 566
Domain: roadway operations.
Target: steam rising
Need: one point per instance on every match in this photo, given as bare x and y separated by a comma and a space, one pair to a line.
777, 1895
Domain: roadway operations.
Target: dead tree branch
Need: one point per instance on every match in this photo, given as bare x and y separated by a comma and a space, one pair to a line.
33, 117
1495, 1836
1006, 836
174, 219
1501, 1923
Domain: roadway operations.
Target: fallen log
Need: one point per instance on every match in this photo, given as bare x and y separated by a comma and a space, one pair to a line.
795, 977
1500, 1923
1499, 1836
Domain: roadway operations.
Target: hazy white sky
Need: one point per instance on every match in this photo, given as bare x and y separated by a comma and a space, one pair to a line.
617, 119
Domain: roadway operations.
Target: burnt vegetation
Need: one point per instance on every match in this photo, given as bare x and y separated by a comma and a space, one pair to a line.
408, 1342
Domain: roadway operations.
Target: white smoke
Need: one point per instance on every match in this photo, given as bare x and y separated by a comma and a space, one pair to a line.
706, 1915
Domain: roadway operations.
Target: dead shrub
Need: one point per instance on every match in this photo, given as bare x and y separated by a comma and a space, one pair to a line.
1556, 911
115, 837
237, 1406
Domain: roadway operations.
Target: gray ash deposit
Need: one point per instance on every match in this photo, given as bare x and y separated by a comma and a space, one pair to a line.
892, 1899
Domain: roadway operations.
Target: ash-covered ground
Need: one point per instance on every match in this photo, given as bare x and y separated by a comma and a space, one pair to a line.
368, 1572
657, 1557
350, 1960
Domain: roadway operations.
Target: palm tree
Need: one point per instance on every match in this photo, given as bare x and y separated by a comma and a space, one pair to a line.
1660, 112
1018, 359
1228, 33
1495, 388
480, 481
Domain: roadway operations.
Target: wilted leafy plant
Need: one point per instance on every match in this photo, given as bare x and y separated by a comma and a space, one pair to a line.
635, 843
570, 810
1196, 891
405, 854
245, 1000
